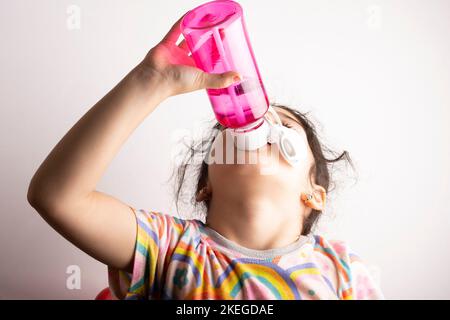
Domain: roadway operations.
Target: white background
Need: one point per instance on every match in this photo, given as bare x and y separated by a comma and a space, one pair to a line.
376, 74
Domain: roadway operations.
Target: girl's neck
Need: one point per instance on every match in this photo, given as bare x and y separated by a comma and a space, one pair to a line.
256, 222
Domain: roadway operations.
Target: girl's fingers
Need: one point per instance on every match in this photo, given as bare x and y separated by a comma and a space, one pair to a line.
174, 33
218, 81
188, 61
184, 46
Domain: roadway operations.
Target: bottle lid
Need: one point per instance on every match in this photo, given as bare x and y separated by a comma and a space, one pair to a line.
251, 139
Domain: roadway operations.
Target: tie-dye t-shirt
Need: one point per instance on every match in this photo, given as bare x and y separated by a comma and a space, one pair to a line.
185, 259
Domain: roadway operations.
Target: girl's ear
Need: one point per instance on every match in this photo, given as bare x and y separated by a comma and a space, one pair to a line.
204, 193
316, 200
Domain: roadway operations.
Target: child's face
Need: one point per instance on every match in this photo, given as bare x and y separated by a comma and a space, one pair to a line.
262, 170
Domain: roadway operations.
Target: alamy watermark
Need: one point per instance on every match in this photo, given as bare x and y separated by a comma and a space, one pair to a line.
73, 21
375, 17
219, 147
73, 281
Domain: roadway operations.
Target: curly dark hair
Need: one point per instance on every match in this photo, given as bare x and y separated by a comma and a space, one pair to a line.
320, 170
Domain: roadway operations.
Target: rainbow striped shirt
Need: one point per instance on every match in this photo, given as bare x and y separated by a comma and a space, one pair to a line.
185, 259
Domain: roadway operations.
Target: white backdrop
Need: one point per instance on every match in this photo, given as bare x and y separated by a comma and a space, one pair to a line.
375, 73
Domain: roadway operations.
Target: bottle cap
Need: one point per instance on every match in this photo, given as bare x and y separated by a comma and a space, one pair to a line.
251, 138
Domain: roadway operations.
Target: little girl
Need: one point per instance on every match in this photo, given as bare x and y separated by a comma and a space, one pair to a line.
256, 242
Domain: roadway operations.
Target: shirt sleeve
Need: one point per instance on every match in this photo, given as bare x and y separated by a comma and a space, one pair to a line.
364, 285
156, 235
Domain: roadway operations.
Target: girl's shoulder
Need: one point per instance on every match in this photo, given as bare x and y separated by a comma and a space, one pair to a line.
334, 248
169, 227
337, 250
160, 219
359, 280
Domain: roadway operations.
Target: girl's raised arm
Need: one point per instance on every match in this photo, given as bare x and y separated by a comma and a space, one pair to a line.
63, 190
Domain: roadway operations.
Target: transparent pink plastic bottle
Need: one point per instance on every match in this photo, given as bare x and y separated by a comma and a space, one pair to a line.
217, 37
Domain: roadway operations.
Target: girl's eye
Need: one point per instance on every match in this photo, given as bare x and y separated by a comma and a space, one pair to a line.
287, 125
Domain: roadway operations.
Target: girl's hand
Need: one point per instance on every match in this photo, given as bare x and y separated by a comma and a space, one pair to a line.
175, 71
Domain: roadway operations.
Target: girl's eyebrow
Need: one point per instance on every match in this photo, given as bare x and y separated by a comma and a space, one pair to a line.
282, 114
297, 124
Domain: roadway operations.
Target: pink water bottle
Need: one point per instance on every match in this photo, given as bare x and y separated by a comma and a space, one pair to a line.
217, 38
